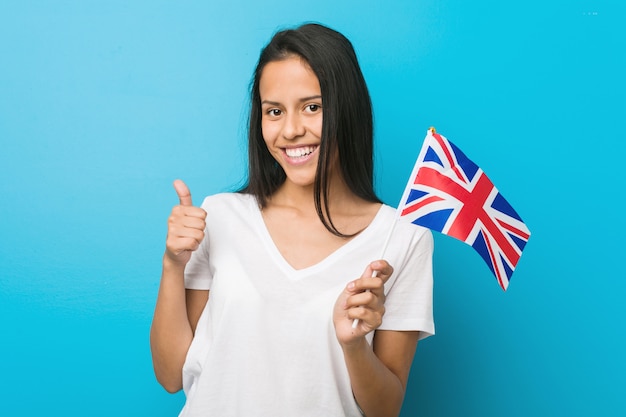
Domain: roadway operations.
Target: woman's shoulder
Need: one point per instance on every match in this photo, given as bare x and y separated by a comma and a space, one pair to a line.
403, 229
229, 201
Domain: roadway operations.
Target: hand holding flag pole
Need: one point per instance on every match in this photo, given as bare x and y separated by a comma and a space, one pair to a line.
355, 322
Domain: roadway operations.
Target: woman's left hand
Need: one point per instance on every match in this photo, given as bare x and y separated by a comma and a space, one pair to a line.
362, 299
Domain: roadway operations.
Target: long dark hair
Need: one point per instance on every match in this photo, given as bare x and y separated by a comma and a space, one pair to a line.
347, 123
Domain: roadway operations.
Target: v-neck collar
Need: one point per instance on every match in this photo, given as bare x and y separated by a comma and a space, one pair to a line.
288, 269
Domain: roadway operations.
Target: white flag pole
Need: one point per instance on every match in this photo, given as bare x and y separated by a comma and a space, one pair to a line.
430, 131
355, 322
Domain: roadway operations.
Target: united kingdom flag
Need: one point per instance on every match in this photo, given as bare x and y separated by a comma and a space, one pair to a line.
450, 194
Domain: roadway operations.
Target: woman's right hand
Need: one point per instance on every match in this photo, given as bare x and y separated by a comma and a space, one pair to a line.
185, 227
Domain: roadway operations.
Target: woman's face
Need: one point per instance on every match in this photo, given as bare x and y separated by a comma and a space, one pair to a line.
291, 121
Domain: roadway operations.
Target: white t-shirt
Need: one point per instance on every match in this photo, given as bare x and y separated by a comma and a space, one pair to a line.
265, 344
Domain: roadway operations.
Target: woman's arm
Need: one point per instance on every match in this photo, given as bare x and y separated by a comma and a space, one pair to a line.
177, 310
173, 326
378, 373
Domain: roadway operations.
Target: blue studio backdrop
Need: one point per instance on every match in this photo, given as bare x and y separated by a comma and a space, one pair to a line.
104, 103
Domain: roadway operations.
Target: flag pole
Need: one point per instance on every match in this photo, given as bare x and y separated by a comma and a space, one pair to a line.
432, 130
355, 322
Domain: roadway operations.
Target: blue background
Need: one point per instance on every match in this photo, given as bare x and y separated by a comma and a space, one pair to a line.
104, 103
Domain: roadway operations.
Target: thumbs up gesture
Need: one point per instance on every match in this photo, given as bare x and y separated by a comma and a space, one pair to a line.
185, 227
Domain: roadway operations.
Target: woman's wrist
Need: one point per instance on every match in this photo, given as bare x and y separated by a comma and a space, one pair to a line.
172, 266
356, 346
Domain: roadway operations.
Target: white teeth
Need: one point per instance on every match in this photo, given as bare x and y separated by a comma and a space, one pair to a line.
299, 152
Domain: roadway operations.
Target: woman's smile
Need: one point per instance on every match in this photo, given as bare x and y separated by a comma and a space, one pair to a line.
300, 155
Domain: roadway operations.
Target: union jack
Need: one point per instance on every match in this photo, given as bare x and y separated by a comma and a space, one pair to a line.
450, 194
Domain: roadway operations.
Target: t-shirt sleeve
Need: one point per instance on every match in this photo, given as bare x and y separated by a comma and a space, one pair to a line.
409, 292
198, 274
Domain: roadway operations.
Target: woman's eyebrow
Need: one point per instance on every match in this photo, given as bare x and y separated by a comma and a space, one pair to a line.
303, 99
311, 98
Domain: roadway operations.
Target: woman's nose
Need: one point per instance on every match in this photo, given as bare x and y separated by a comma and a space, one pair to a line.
293, 127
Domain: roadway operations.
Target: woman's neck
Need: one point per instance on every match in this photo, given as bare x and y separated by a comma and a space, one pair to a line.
341, 200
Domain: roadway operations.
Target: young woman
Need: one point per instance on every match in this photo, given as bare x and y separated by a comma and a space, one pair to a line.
260, 288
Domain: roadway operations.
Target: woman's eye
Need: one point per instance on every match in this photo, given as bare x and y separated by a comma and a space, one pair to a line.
313, 108
273, 112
